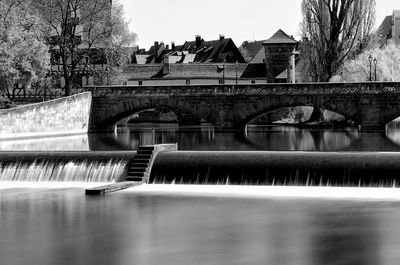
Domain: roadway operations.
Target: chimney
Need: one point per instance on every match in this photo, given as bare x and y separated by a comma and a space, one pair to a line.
172, 45
156, 47
165, 64
198, 40
167, 47
221, 37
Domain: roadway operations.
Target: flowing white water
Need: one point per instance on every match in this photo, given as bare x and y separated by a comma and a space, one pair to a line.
269, 191
62, 171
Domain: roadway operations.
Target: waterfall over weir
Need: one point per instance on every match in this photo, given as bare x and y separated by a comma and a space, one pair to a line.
278, 168
63, 167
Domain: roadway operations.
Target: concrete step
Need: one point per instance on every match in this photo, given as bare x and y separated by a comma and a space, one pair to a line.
136, 174
144, 152
143, 156
137, 169
146, 148
138, 165
141, 160
129, 178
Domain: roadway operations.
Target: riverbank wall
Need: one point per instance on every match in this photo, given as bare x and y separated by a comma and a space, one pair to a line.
65, 116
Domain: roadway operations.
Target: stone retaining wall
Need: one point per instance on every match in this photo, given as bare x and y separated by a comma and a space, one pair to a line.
69, 115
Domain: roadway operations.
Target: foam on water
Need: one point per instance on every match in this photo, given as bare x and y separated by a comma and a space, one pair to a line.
74, 170
48, 185
269, 191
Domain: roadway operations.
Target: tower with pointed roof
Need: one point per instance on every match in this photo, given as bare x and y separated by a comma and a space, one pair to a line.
279, 54
389, 31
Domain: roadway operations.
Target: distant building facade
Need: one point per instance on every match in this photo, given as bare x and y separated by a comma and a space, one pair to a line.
272, 60
253, 51
280, 55
197, 51
93, 57
389, 30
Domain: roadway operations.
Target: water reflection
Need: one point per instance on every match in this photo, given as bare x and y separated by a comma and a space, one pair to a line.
358, 229
295, 139
73, 143
255, 138
393, 131
63, 227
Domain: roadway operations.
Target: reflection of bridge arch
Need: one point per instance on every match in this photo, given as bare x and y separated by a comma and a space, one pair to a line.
302, 139
294, 114
370, 105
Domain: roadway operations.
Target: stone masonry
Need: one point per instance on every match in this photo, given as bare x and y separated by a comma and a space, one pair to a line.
68, 115
371, 105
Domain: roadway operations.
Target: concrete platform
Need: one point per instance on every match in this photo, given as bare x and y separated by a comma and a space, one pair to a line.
102, 190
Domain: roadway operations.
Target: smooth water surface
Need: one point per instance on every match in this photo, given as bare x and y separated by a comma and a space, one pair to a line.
62, 226
205, 137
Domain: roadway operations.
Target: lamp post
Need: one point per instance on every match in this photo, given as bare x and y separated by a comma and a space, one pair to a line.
375, 63
223, 73
236, 68
370, 67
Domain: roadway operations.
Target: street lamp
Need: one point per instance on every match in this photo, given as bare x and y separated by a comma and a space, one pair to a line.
223, 73
370, 67
236, 68
375, 62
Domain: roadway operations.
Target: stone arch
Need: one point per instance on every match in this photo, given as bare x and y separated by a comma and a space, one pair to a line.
391, 116
271, 109
124, 109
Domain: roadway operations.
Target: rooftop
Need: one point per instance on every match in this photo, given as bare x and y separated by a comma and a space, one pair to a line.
280, 37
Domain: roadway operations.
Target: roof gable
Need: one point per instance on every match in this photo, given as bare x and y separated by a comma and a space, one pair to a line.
251, 49
280, 37
385, 29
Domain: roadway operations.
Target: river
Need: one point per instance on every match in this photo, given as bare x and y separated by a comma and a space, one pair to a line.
175, 224
205, 138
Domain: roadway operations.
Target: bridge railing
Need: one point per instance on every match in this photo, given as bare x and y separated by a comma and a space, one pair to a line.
255, 89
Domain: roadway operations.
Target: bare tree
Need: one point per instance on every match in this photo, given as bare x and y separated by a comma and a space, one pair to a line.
24, 56
332, 30
80, 32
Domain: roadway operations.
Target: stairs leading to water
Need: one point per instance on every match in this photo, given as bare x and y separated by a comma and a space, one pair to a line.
138, 168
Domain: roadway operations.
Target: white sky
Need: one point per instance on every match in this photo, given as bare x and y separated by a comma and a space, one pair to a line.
181, 20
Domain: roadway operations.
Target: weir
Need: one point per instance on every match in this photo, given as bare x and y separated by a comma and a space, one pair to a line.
64, 166
164, 164
278, 168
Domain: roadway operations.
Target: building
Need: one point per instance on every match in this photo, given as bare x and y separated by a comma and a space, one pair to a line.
197, 51
253, 51
89, 53
200, 62
389, 30
280, 56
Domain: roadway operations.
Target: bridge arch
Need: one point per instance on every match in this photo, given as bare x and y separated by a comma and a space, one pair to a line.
124, 110
391, 115
298, 114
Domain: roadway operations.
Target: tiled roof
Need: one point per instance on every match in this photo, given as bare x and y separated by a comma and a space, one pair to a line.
198, 51
385, 29
280, 37
250, 49
212, 51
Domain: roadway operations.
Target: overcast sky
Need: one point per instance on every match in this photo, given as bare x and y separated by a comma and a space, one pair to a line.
181, 20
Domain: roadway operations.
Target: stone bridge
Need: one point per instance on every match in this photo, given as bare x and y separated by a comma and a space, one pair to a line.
371, 105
